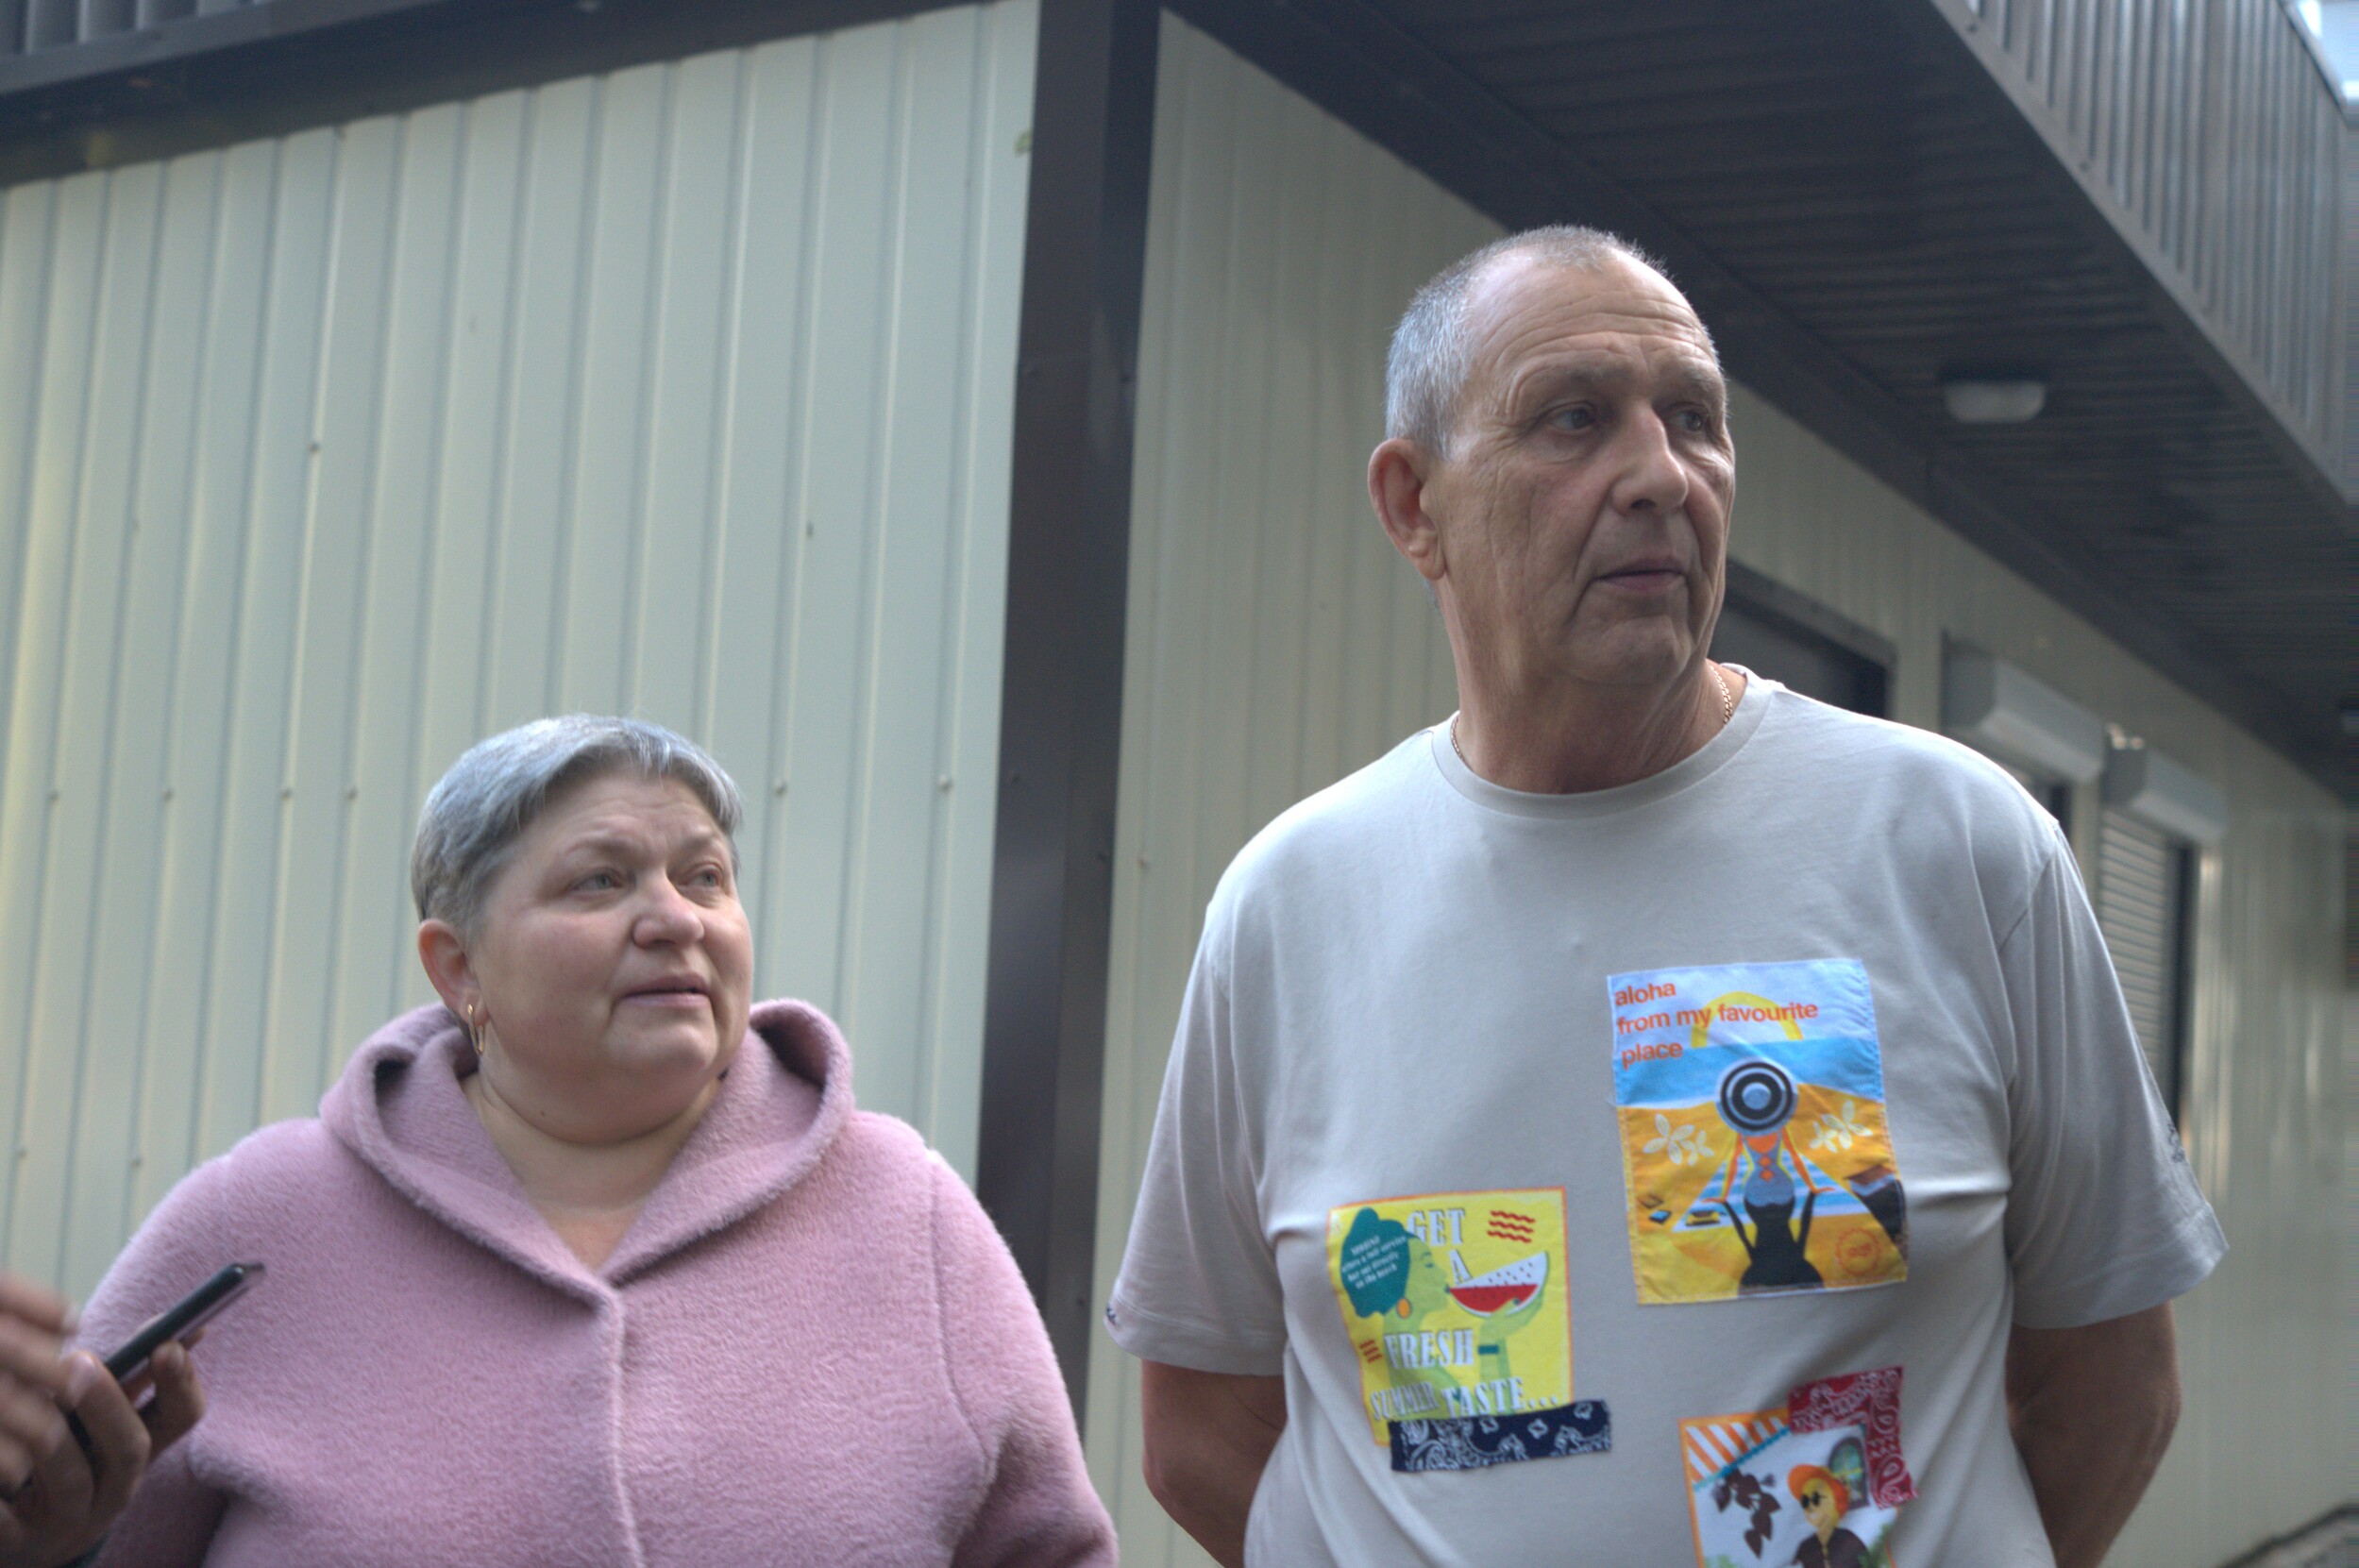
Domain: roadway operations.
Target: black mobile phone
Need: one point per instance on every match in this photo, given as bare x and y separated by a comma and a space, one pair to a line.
183, 1318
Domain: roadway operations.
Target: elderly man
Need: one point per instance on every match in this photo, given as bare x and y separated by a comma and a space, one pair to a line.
1651, 1116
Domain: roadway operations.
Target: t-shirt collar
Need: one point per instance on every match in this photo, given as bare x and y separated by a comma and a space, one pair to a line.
1591, 804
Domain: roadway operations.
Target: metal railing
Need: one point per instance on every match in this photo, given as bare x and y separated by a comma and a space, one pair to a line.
2207, 132
26, 26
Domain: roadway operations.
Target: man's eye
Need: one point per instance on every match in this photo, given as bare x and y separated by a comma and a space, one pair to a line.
599, 882
1694, 421
1578, 417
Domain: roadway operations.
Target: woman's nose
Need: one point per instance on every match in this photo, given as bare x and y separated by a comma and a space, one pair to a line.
668, 915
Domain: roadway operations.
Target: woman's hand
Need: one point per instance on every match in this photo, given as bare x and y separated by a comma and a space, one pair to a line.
56, 1498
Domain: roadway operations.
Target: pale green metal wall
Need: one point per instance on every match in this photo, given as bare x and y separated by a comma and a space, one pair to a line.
1275, 643
683, 392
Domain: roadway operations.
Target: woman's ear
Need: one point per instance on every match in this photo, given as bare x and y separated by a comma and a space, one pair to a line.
443, 954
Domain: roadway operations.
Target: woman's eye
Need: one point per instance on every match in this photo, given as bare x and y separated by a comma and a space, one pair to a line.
599, 882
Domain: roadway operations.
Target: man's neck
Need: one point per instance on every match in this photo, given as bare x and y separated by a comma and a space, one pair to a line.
1570, 738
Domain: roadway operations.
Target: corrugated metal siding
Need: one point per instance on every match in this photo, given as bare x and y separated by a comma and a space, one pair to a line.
1275, 642
683, 392
2208, 130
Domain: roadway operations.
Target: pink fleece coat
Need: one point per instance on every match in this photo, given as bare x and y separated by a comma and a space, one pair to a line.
811, 1348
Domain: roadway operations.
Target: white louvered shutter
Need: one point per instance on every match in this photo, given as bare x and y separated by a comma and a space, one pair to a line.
2139, 903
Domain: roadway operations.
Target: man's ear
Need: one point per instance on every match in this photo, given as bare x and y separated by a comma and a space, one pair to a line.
443, 954
1397, 472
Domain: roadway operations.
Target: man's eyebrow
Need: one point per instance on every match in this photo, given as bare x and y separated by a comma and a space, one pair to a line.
1690, 378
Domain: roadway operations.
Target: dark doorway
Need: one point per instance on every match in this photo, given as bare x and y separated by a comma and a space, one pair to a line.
1767, 627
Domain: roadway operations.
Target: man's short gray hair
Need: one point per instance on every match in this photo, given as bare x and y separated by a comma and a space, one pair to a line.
1426, 369
474, 816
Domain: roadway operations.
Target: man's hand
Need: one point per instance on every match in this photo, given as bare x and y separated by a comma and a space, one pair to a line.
1208, 1435
56, 1500
2092, 1410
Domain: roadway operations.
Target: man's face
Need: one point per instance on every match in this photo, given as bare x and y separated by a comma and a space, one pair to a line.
1583, 504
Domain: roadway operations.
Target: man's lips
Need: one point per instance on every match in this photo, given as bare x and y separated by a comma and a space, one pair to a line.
1645, 577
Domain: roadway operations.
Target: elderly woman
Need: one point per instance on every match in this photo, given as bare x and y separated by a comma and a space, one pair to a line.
595, 1263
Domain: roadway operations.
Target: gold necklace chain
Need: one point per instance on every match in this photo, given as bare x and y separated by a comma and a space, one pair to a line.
1728, 710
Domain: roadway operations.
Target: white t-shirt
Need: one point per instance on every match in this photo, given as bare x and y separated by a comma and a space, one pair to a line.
1653, 1176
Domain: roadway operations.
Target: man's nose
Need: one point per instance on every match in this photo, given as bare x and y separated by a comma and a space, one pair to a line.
1650, 477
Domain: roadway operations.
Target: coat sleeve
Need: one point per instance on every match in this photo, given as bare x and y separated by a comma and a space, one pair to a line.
171, 1518
1039, 1508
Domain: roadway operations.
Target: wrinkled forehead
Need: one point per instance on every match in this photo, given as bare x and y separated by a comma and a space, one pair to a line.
1527, 313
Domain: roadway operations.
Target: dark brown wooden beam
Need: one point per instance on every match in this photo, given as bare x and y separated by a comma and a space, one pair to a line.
1061, 695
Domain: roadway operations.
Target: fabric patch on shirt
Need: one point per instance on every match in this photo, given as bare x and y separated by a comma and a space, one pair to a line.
1817, 1481
1754, 1142
1470, 1442
1456, 1305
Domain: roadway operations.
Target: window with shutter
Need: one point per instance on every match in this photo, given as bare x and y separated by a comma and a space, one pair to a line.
2141, 907
2056, 797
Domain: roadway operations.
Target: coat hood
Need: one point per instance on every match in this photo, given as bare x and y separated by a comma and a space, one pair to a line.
399, 1108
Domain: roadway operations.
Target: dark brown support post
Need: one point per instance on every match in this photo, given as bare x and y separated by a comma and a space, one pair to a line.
1061, 698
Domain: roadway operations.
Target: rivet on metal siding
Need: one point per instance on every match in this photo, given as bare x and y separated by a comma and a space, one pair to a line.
138, 1160
286, 792
53, 797
809, 529
943, 782
315, 444
352, 792
1023, 142
167, 792
779, 788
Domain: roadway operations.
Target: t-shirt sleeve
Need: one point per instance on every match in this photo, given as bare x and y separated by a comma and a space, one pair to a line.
2103, 1217
1199, 1284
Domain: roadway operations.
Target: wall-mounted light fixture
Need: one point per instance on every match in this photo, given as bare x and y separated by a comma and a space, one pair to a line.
1992, 396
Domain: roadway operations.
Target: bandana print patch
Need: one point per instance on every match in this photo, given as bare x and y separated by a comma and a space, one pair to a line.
1753, 1142
1470, 1442
1456, 1305
1816, 1482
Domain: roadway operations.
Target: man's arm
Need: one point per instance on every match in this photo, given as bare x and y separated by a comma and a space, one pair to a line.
2092, 1410
1208, 1435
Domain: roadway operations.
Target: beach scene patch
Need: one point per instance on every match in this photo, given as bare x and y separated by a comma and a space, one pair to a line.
1455, 1305
1816, 1482
1754, 1142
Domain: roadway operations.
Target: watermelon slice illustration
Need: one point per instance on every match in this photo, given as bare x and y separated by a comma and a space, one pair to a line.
1510, 1285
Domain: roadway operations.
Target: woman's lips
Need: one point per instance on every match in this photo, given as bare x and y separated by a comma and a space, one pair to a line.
667, 999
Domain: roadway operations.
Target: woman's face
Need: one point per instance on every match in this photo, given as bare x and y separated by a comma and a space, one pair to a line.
612, 960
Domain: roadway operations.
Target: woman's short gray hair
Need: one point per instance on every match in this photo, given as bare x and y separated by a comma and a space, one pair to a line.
1425, 371
474, 816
